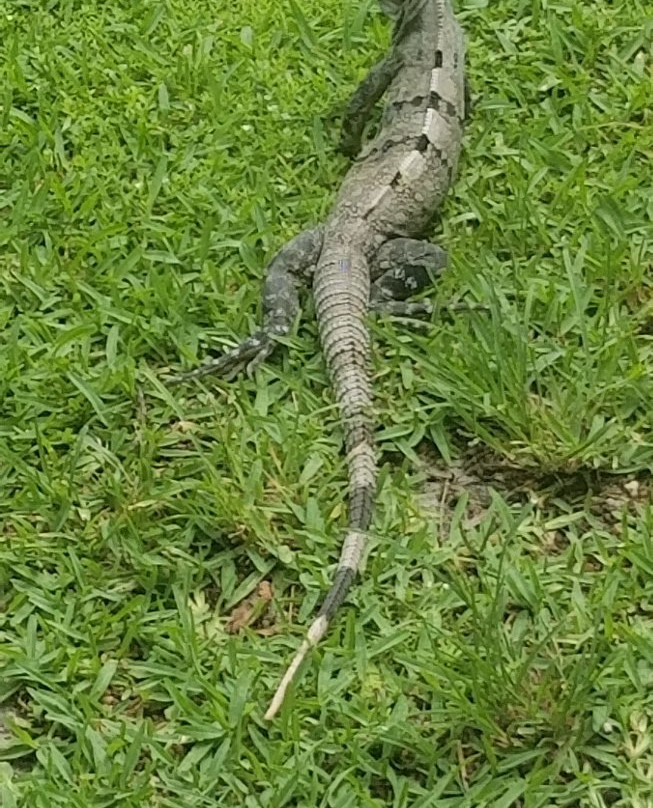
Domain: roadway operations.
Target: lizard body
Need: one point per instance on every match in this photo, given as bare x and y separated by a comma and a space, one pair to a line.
367, 253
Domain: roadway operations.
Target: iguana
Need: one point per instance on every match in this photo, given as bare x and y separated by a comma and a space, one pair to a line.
366, 254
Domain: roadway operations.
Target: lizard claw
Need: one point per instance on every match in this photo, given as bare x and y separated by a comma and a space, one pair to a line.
247, 356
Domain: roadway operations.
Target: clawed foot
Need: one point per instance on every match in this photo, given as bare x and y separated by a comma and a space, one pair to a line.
245, 357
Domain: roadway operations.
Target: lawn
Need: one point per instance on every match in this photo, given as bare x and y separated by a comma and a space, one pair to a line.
498, 650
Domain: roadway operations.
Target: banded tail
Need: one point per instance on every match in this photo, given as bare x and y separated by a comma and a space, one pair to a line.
341, 292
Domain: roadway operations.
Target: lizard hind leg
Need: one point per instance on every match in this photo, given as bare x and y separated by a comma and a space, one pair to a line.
292, 267
403, 267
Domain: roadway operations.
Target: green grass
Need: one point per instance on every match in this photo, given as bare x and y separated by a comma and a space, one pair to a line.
153, 156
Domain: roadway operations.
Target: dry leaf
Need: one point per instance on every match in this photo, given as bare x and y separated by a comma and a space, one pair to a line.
251, 609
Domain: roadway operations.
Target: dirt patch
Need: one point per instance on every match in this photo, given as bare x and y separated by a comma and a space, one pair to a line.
253, 612
478, 471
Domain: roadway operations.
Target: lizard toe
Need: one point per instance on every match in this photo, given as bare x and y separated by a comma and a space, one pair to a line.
248, 354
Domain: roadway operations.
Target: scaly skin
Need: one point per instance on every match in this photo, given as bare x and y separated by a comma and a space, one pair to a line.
367, 253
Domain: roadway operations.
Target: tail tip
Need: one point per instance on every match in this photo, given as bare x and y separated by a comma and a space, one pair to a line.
315, 633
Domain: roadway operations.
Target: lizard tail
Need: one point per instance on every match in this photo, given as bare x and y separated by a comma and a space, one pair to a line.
362, 467
341, 292
315, 633
350, 558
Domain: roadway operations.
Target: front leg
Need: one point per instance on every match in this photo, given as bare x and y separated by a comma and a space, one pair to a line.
362, 102
403, 267
293, 265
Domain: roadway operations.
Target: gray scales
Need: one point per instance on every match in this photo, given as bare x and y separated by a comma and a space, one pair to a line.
367, 254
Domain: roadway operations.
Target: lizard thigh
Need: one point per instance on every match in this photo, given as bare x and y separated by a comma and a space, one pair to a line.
292, 267
403, 267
